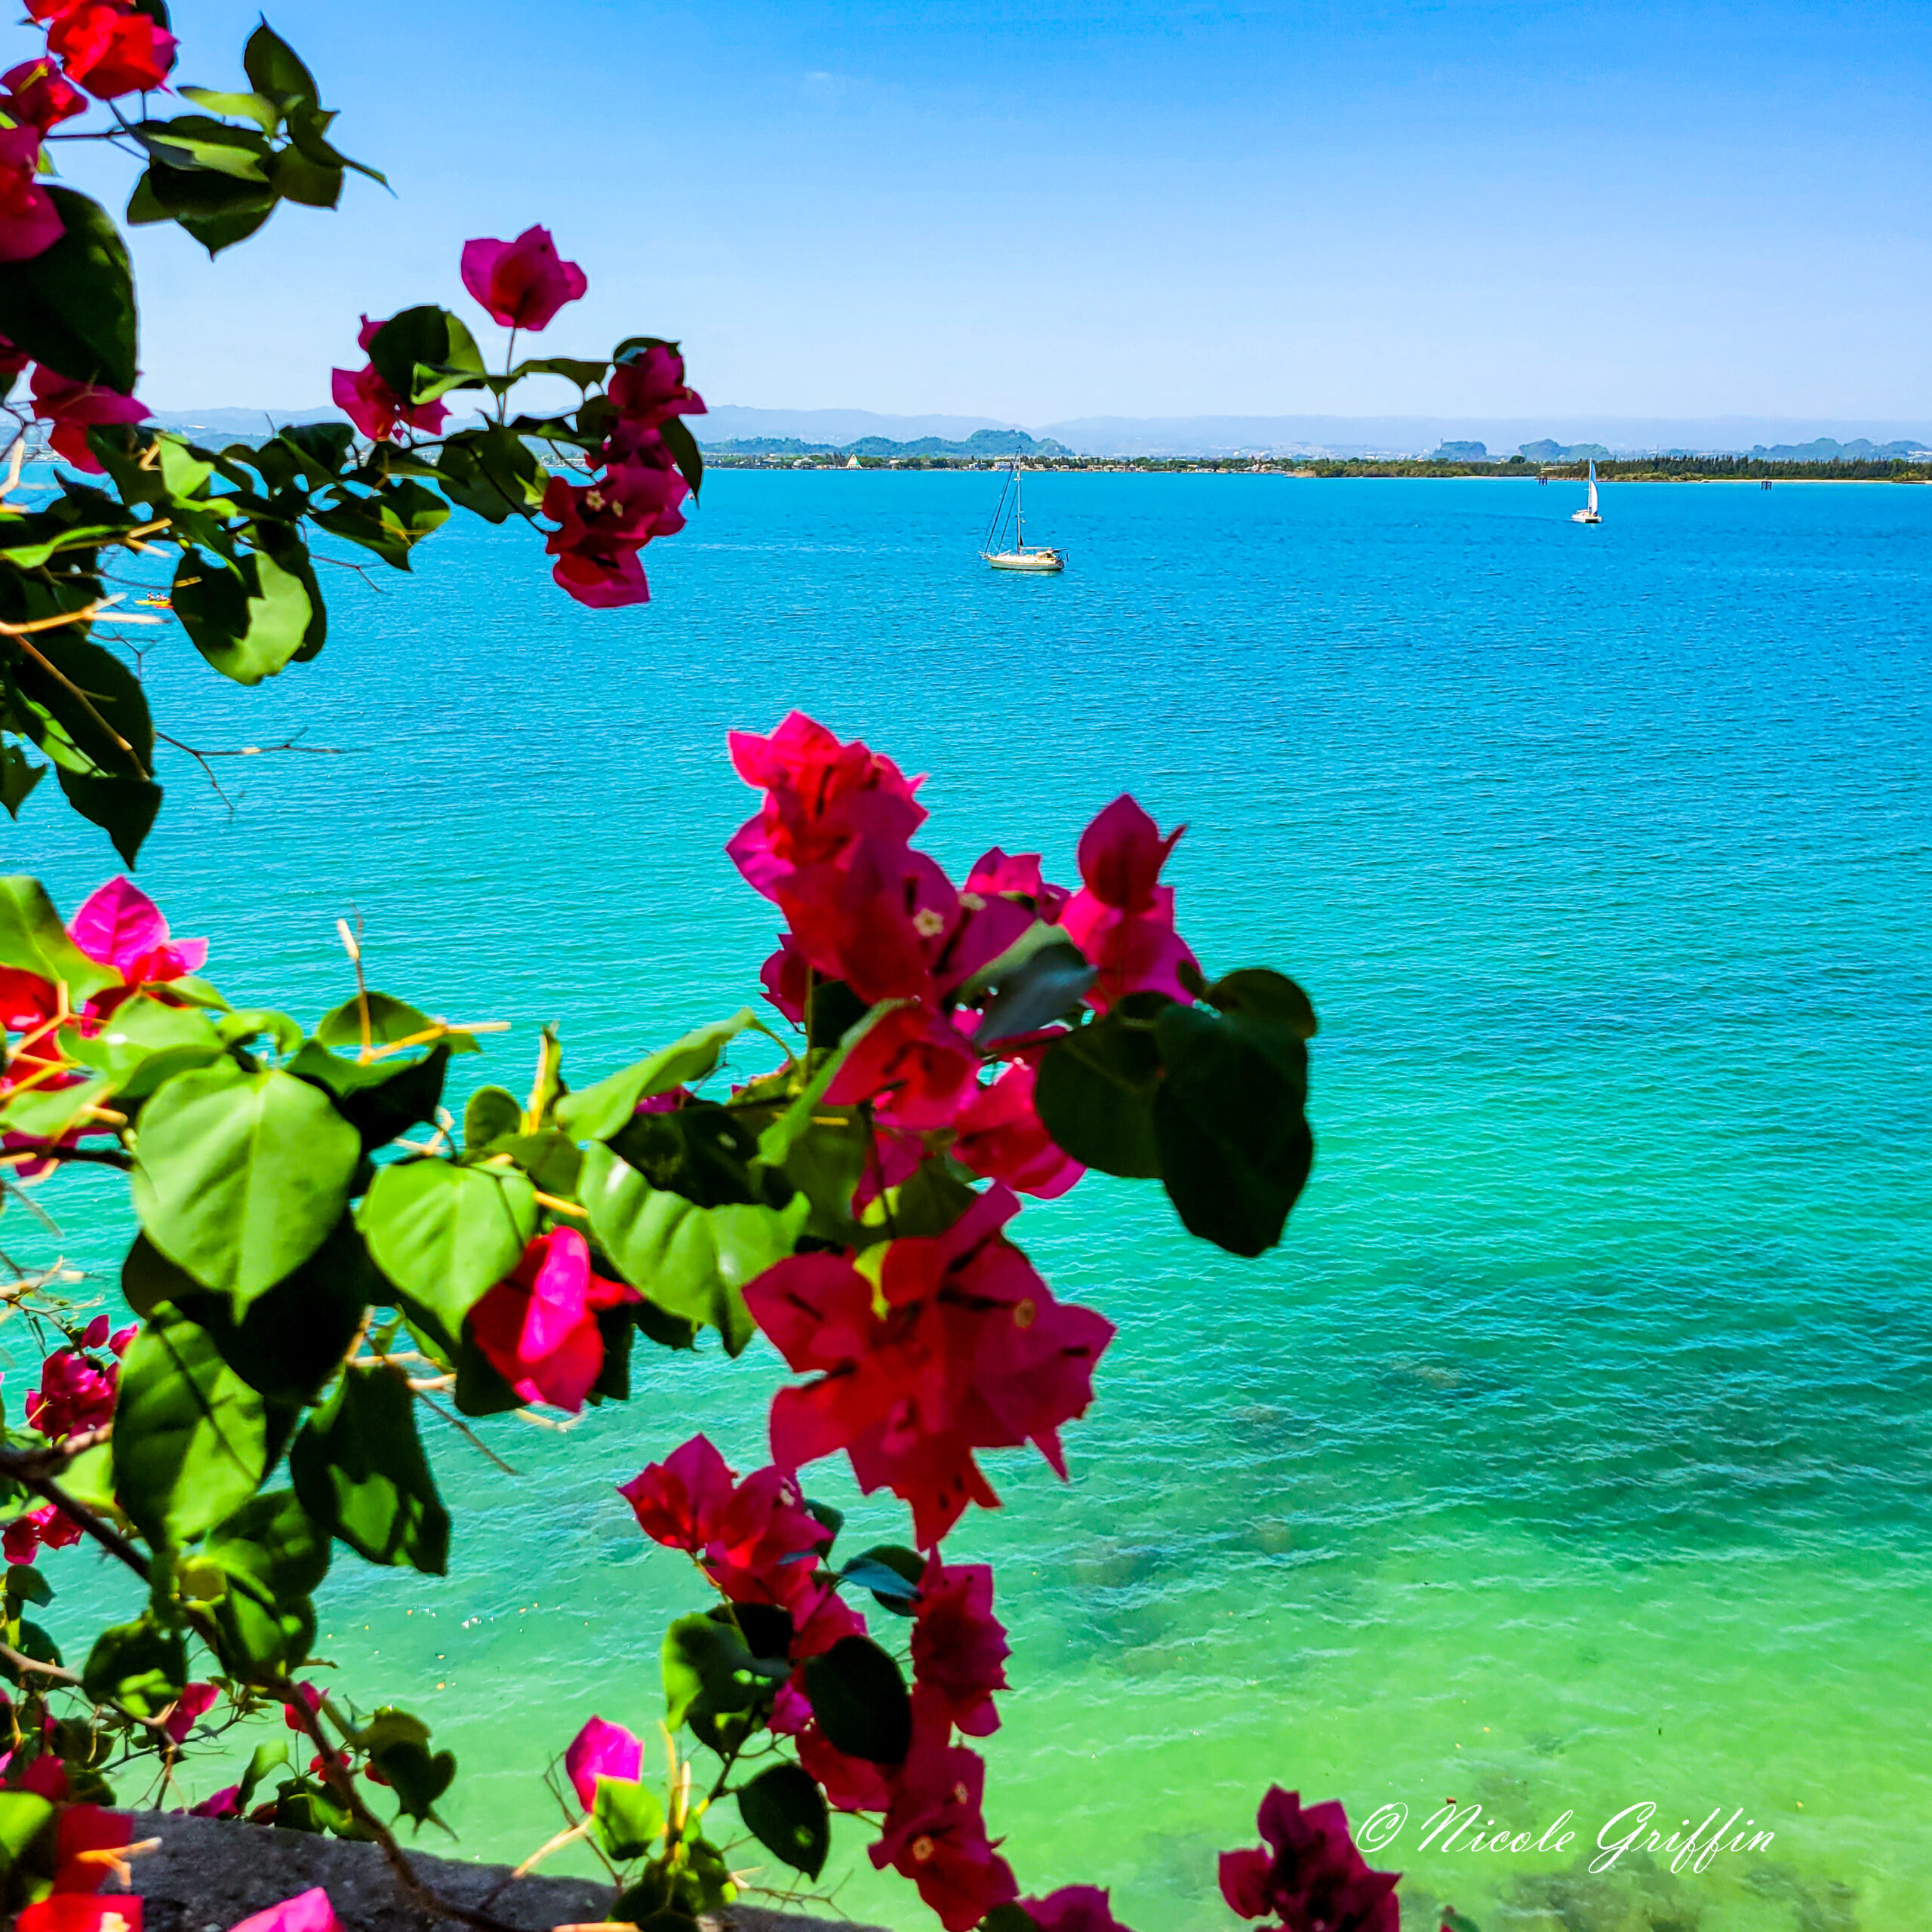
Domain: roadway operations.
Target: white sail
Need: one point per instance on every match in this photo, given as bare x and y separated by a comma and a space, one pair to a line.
1593, 486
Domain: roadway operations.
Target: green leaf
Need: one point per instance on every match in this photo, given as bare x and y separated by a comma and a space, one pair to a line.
22, 1818
1095, 1094
141, 1666
1269, 1002
692, 1261
684, 451
1457, 1921
274, 1540
391, 523
274, 69
144, 1041
240, 1177
18, 777
196, 141
237, 106
90, 705
859, 1700
626, 1819
707, 1669
248, 619
492, 1113
309, 184
1047, 985
380, 1099
390, 1021
45, 1113
33, 940
25, 1584
72, 307
191, 1442
784, 1810
891, 1572
424, 352
595, 1113
447, 1235
359, 1469
491, 472
1235, 1144
266, 1757
124, 808
294, 1337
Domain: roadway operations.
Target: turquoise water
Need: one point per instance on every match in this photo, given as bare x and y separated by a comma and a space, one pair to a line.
1573, 1451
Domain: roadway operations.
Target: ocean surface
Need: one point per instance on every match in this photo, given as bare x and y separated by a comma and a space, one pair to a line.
1573, 1452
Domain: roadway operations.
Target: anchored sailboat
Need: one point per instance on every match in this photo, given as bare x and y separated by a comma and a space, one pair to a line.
1018, 557
1589, 512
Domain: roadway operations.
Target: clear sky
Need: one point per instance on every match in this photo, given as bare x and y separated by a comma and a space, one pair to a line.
1059, 208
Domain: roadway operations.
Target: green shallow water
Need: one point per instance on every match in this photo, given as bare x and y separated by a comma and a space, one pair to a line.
1573, 1451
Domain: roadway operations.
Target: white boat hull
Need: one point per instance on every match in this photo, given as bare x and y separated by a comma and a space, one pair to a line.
1585, 516
1025, 560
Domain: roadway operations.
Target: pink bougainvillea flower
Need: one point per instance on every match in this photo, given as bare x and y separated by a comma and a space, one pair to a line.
849, 1784
76, 1393
196, 1700
767, 1543
1017, 873
914, 1066
959, 1647
377, 410
121, 926
307, 1911
88, 1840
34, 94
678, 1502
538, 1328
786, 979
522, 283
935, 1834
1311, 1878
972, 1351
311, 1695
1073, 1908
648, 387
601, 1750
1123, 918
74, 408
30, 222
44, 1528
112, 51
602, 526
998, 1134
81, 1911
225, 1803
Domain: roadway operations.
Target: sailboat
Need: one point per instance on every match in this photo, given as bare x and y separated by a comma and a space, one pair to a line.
1589, 512
1018, 557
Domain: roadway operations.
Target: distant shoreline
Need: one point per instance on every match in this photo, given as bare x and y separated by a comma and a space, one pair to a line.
1747, 471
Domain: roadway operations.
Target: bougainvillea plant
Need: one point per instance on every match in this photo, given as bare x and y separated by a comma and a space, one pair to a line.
327, 1251
596, 482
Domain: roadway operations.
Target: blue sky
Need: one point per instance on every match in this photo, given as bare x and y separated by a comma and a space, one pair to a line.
1043, 210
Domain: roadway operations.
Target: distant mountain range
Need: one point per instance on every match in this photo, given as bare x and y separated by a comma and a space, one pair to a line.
747, 431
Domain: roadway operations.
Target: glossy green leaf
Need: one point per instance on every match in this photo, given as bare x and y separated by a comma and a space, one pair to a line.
240, 1177
124, 808
691, 1260
1047, 985
91, 711
1095, 1095
390, 1021
191, 1437
142, 1666
708, 1668
491, 472
784, 1810
594, 1113
446, 1234
626, 1818
22, 1818
32, 940
490, 1114
199, 142
860, 1701
359, 1469
254, 107
684, 451
18, 777
891, 1572
423, 353
274, 69
380, 1099
1235, 1144
247, 621
144, 1041
72, 307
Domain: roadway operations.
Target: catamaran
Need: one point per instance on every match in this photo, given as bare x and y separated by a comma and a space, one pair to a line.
1018, 557
1589, 512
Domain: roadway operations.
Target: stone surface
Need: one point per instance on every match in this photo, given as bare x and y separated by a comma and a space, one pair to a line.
209, 1874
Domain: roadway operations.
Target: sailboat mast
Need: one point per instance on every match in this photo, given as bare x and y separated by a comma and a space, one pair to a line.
1019, 512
